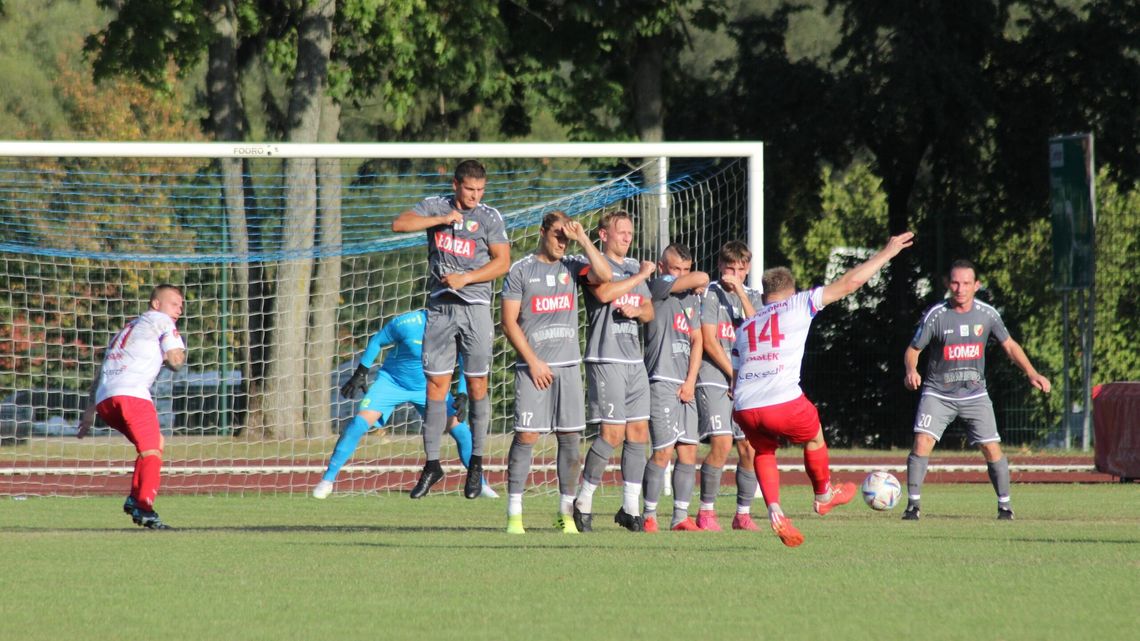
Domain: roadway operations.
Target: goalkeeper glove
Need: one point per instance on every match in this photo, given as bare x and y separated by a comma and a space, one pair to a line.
359, 381
460, 407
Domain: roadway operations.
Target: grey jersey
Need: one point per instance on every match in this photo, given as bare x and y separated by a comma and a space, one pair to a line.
956, 362
461, 247
725, 311
613, 338
548, 313
668, 341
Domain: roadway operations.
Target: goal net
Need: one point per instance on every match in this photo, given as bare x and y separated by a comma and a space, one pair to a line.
288, 264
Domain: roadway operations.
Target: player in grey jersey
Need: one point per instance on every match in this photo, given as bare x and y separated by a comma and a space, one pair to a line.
617, 385
725, 305
955, 386
672, 359
540, 319
467, 249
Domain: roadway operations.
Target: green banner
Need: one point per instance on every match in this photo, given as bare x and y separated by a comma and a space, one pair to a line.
1071, 182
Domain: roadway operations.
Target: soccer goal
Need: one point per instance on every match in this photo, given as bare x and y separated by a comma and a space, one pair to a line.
288, 262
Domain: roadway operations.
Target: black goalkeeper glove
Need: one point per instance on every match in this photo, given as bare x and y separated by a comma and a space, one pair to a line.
460, 407
359, 381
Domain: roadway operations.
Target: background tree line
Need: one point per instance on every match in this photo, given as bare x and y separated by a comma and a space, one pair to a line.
882, 116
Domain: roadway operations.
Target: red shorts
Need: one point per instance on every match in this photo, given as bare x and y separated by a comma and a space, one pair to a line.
135, 417
797, 420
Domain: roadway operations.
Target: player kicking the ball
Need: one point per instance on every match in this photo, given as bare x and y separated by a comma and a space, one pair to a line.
767, 400
540, 319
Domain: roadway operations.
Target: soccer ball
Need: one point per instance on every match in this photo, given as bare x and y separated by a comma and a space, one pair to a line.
881, 490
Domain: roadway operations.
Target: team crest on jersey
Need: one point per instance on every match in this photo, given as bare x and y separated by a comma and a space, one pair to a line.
977, 330
564, 278
550, 280
472, 226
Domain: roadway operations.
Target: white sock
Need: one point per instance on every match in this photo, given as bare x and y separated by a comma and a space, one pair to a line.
708, 506
631, 498
743, 509
774, 511
565, 503
586, 497
650, 508
514, 505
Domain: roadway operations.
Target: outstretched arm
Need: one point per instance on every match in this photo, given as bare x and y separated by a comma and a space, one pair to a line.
1017, 355
88, 417
858, 275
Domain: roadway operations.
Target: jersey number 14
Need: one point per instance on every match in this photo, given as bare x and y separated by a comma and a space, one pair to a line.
770, 333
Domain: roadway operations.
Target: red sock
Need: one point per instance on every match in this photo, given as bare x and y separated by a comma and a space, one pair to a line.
818, 469
147, 469
136, 481
769, 476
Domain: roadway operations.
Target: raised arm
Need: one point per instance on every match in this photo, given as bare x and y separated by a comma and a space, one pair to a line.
693, 280
611, 291
410, 221
1017, 355
600, 269
858, 275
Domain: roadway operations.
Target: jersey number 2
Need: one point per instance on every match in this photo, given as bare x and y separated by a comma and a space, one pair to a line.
770, 333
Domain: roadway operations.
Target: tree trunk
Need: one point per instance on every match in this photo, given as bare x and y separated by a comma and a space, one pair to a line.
321, 346
649, 118
227, 118
285, 373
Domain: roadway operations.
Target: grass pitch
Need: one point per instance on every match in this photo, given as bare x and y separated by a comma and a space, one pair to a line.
368, 567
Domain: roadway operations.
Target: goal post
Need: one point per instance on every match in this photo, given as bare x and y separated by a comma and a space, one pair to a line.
86, 228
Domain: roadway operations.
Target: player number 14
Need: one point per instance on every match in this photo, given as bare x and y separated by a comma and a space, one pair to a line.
770, 333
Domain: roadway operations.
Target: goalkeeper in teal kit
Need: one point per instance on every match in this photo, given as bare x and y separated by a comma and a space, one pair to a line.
400, 380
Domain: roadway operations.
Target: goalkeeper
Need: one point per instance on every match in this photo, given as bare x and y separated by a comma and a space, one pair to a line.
400, 380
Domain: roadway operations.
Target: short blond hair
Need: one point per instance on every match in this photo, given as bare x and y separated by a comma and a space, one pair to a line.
777, 279
609, 217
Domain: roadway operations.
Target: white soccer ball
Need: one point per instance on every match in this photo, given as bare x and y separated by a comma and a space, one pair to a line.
881, 490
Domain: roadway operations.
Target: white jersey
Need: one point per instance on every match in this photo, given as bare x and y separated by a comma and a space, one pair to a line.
769, 350
135, 356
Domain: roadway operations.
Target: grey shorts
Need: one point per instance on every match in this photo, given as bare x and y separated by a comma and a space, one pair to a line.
457, 328
617, 393
670, 420
935, 413
558, 408
714, 409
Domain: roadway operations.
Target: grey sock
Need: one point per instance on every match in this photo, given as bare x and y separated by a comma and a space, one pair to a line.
633, 462
915, 474
480, 421
569, 457
745, 487
518, 466
596, 460
654, 482
710, 482
684, 478
999, 476
435, 420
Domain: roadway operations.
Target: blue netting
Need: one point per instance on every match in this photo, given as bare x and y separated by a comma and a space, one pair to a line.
173, 211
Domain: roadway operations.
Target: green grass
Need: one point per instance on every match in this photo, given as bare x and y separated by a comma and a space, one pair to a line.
363, 567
